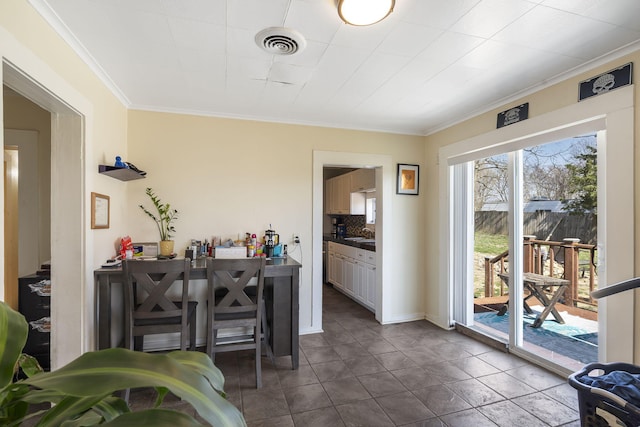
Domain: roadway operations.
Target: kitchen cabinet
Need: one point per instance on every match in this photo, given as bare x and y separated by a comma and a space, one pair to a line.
363, 180
330, 261
370, 285
340, 195
353, 272
357, 203
339, 198
350, 276
336, 265
335, 198
360, 287
338, 272
366, 279
328, 197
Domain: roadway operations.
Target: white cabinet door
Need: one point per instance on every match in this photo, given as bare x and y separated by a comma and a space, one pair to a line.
357, 203
339, 199
353, 271
363, 180
370, 285
360, 288
338, 271
331, 261
343, 194
328, 197
334, 189
350, 276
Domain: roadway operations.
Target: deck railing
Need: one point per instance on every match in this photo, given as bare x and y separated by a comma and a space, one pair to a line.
556, 259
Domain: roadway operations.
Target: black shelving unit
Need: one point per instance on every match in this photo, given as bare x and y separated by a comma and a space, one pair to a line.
123, 174
34, 301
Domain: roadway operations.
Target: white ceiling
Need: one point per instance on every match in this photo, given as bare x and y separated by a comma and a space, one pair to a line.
430, 64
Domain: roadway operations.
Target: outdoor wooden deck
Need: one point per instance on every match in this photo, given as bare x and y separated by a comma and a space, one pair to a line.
494, 304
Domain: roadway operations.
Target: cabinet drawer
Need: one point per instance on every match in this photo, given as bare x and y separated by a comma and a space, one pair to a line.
34, 293
370, 257
348, 251
33, 313
366, 256
38, 340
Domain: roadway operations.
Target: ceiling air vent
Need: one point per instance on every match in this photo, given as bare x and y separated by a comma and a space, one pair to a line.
280, 41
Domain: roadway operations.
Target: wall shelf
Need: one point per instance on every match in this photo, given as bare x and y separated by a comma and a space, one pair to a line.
123, 174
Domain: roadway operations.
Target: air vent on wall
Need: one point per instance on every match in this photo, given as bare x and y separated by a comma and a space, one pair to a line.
280, 41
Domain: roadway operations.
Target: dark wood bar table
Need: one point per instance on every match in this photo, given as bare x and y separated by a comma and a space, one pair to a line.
282, 279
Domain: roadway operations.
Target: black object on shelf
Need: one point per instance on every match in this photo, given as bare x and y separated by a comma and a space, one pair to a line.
123, 174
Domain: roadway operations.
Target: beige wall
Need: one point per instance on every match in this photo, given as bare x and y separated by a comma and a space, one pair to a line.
553, 98
227, 177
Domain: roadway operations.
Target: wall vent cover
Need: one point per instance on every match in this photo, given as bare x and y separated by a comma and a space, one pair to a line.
280, 41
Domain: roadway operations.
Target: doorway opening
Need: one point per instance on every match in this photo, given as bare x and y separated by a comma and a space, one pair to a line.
349, 233
383, 185
67, 218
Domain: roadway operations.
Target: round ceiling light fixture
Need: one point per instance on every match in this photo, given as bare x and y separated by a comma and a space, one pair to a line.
280, 41
364, 12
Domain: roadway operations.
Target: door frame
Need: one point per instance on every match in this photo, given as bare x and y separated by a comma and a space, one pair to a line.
384, 191
26, 74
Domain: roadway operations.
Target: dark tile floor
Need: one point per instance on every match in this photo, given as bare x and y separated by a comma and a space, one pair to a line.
361, 373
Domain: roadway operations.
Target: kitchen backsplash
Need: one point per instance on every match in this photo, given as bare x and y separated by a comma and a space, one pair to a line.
354, 224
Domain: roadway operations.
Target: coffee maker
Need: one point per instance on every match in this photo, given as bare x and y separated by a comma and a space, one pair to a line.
271, 239
334, 227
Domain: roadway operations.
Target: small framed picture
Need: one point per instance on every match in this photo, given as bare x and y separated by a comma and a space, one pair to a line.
408, 177
99, 211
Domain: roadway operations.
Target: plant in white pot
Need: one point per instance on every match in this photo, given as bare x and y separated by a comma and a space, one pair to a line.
164, 220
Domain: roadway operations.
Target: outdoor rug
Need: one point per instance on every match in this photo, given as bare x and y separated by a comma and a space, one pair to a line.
577, 338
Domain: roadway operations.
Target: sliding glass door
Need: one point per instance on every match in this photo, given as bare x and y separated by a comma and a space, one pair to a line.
525, 235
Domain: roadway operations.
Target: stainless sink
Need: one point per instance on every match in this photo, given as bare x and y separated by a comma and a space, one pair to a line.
367, 240
354, 239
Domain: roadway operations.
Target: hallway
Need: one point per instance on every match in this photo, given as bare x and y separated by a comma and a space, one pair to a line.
360, 373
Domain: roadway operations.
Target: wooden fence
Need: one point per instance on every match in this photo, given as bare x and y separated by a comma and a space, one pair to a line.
551, 226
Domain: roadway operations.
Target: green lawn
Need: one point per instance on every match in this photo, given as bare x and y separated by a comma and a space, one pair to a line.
491, 243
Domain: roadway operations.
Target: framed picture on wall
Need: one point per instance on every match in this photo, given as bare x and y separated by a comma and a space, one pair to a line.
99, 210
408, 177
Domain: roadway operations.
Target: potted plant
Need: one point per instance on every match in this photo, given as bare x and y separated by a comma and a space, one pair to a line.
164, 221
83, 393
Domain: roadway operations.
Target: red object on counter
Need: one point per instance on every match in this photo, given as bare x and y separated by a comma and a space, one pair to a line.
125, 245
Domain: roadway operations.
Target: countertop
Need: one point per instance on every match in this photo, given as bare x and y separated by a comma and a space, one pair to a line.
355, 244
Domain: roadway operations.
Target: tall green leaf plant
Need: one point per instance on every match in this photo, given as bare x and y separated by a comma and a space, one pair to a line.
164, 216
84, 392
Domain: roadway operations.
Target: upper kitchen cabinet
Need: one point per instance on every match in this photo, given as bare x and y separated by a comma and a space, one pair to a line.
363, 180
339, 192
341, 200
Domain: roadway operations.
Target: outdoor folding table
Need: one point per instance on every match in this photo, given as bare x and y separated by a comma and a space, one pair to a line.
538, 286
